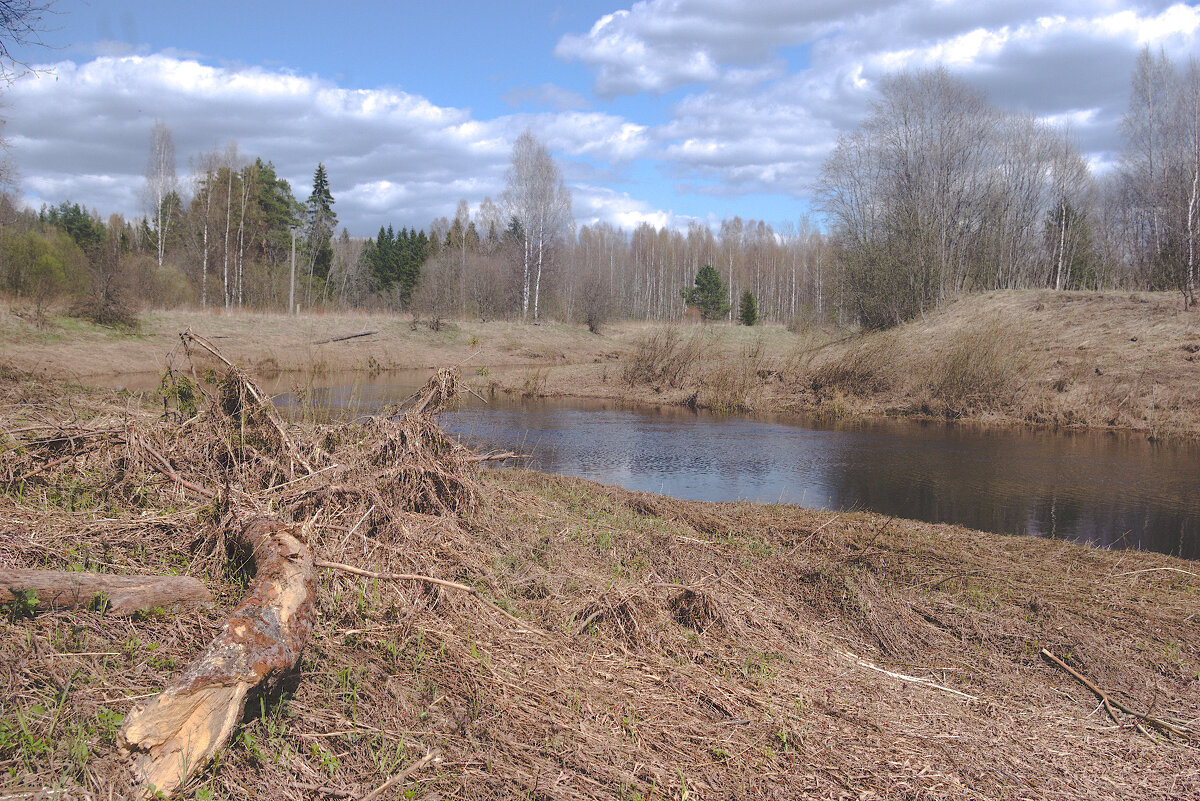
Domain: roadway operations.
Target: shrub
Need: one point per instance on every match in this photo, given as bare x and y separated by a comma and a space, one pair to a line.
663, 357
595, 303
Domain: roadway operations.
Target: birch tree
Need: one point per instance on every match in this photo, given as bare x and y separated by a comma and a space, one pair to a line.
161, 182
537, 199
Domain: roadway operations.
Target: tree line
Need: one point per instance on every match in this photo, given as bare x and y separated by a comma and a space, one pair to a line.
939, 192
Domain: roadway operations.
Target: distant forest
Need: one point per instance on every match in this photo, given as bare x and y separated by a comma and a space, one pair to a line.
939, 192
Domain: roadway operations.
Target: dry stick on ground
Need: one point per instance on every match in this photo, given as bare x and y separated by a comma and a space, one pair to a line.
451, 585
901, 677
495, 457
399, 777
123, 595
344, 338
163, 466
179, 730
1110, 702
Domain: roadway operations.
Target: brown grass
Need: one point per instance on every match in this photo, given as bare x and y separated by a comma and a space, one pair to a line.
678, 649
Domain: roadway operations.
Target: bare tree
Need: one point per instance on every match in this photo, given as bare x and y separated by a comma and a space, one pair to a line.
539, 202
205, 168
1190, 86
22, 22
160, 183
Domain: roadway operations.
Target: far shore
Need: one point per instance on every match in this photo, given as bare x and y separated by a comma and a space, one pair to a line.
1115, 361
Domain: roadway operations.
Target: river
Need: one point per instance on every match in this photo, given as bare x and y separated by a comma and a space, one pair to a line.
1111, 489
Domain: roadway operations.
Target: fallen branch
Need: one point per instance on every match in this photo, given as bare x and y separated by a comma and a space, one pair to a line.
178, 731
399, 777
1109, 702
160, 463
450, 585
344, 338
120, 594
438, 392
259, 398
900, 676
495, 457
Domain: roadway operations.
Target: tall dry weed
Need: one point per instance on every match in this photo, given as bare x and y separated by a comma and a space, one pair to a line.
865, 368
980, 371
663, 357
729, 383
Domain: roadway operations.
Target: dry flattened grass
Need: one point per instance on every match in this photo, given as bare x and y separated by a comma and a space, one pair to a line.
1105, 360
678, 649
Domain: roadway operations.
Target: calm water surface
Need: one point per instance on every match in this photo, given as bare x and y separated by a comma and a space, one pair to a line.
1111, 489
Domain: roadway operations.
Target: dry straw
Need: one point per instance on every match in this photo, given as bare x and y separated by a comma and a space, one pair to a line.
505, 634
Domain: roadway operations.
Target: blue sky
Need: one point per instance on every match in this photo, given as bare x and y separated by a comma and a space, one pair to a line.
663, 111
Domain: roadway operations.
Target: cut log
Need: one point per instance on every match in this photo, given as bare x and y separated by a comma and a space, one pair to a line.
179, 730
119, 594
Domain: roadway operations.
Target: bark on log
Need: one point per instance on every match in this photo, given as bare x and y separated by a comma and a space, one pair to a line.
180, 729
124, 594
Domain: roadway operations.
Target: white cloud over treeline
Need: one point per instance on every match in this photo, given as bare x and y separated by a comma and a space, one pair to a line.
741, 97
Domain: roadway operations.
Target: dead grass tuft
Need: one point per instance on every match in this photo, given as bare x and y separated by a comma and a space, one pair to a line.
664, 356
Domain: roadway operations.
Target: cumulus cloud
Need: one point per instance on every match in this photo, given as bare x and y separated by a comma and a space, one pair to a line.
715, 98
746, 124
595, 204
392, 156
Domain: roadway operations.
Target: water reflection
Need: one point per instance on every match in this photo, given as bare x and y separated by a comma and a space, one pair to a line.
1110, 489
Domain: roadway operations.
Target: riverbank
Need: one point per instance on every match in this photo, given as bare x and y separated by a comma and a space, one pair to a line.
662, 649
1066, 359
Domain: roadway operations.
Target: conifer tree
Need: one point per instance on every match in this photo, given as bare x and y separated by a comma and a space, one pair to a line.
708, 294
748, 309
322, 221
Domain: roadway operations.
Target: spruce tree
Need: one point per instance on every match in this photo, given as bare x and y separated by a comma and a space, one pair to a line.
708, 294
748, 309
322, 221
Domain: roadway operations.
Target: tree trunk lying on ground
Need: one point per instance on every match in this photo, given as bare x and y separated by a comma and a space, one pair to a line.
180, 729
119, 594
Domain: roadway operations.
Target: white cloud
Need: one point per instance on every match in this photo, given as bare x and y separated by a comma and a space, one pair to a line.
758, 92
393, 157
595, 204
770, 84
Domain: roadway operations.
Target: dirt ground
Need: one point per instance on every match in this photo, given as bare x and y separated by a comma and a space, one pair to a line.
661, 649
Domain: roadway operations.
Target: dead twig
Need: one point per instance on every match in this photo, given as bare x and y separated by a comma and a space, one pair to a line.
495, 457
901, 677
399, 777
1109, 702
450, 585
344, 338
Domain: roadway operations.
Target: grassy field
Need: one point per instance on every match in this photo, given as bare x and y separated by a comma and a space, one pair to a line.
1098, 360
665, 649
